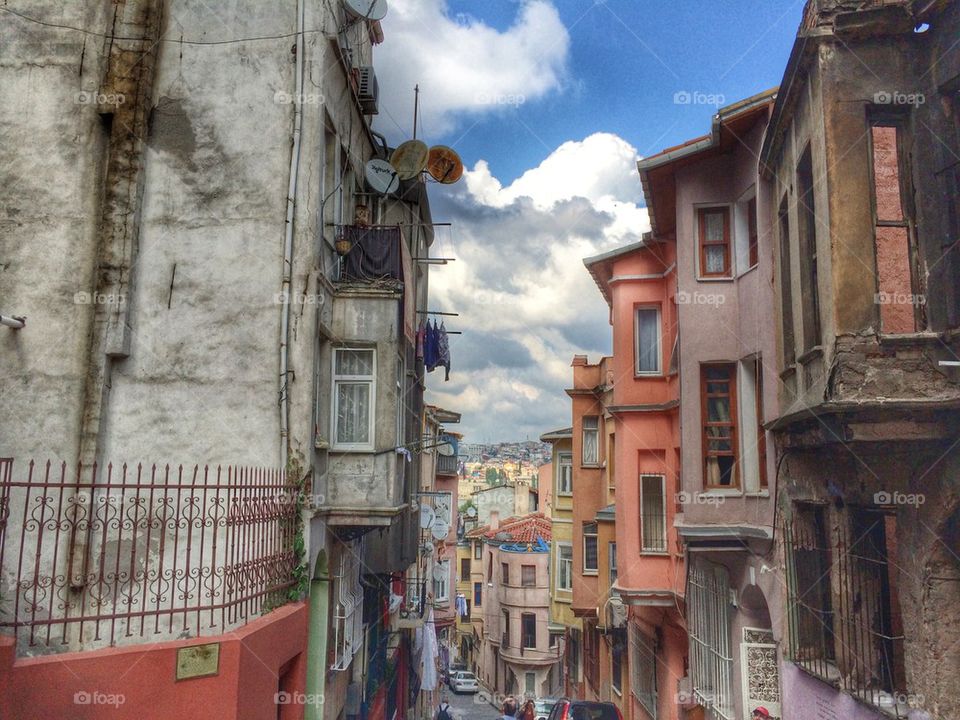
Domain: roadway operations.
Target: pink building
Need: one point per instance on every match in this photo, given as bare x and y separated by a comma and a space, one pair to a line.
628, 550
706, 197
518, 654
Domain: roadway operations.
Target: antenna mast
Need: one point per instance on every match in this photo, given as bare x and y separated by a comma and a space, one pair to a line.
416, 107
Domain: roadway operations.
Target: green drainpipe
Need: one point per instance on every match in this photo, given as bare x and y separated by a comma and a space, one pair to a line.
317, 638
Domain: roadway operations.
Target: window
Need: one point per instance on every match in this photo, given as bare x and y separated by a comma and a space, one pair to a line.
572, 652
708, 625
616, 662
505, 641
786, 288
714, 234
478, 594
528, 575
643, 680
528, 627
745, 240
530, 683
591, 655
505, 573
564, 567
753, 452
354, 386
464, 569
590, 559
565, 474
490, 568
591, 440
719, 411
478, 551
807, 226
612, 559
441, 581
810, 607
653, 514
893, 232
647, 341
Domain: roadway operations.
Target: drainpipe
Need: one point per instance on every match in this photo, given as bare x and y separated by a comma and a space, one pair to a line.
288, 241
317, 633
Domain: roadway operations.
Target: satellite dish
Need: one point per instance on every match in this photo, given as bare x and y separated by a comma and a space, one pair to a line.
410, 159
440, 529
428, 548
427, 516
440, 571
446, 448
444, 165
471, 511
381, 176
366, 9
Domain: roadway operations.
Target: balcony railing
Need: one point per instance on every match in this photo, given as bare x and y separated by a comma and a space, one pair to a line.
110, 557
447, 465
370, 253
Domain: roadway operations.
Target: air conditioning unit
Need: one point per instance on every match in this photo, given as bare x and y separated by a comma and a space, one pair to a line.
368, 92
686, 698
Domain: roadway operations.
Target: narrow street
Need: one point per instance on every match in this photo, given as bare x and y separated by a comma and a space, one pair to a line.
601, 354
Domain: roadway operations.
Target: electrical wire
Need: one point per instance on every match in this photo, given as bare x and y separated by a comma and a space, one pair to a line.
181, 41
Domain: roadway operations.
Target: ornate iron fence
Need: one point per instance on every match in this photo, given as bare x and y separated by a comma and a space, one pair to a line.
91, 558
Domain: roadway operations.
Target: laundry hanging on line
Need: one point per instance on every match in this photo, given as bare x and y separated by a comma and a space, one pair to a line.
433, 346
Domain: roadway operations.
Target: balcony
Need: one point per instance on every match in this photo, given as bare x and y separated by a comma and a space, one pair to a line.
447, 465
370, 254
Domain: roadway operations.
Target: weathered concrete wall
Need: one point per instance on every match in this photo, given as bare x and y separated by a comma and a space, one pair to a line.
920, 479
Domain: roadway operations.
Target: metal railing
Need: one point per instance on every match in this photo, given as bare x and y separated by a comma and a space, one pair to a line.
94, 558
843, 613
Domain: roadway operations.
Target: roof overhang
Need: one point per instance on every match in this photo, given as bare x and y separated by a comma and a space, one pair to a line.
649, 597
657, 172
554, 435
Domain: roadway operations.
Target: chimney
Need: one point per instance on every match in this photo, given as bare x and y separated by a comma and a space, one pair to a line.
494, 520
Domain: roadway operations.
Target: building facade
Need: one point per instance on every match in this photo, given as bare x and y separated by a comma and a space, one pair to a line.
707, 196
861, 160
518, 654
172, 241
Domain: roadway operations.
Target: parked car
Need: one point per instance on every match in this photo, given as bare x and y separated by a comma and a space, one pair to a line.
543, 706
567, 709
462, 681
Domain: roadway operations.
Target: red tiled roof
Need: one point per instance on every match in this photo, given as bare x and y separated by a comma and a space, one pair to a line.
523, 529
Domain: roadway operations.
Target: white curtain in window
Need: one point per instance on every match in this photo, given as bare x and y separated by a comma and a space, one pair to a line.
713, 230
648, 340
353, 412
591, 437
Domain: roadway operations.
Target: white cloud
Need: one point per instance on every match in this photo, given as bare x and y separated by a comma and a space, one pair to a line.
463, 65
526, 302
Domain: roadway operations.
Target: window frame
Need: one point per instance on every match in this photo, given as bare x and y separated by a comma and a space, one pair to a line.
478, 594
477, 550
371, 382
561, 466
444, 583
505, 573
524, 636
612, 562
728, 273
811, 332
560, 562
594, 534
734, 425
595, 462
524, 572
644, 548
658, 312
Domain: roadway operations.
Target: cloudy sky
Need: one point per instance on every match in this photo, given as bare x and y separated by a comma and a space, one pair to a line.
550, 103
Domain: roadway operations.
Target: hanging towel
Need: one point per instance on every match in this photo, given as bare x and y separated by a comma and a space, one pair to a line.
421, 337
443, 350
430, 347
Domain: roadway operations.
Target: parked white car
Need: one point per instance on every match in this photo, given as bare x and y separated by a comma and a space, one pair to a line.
463, 682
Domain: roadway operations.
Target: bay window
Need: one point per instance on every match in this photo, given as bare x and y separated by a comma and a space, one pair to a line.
718, 389
354, 388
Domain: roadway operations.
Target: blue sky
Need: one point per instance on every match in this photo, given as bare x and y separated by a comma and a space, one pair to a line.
550, 103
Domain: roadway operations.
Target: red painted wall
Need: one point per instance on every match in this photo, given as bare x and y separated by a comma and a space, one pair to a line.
257, 661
